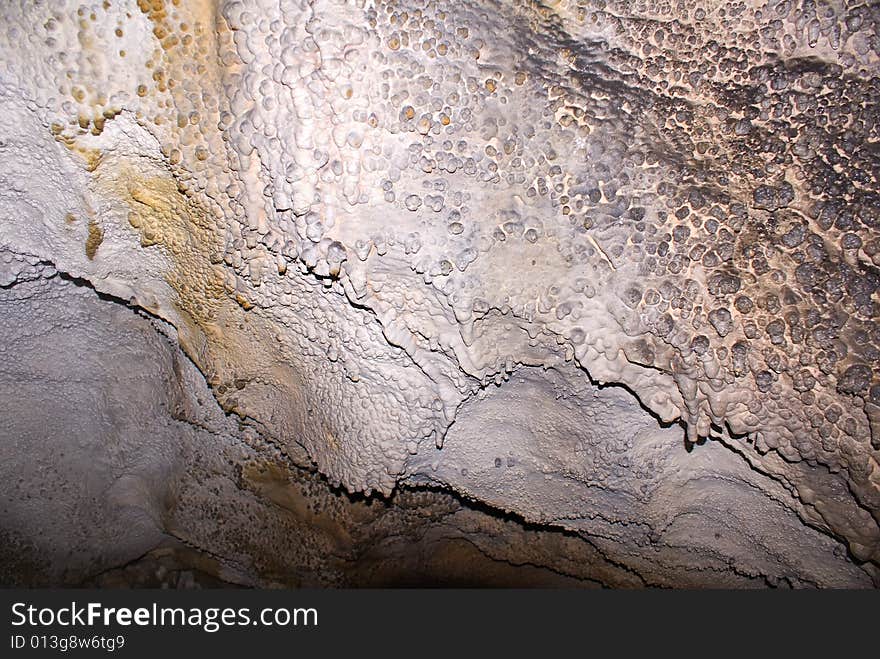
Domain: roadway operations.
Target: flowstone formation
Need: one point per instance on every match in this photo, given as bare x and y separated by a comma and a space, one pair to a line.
345, 293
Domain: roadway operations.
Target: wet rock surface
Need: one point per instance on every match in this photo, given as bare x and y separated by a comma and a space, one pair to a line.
583, 292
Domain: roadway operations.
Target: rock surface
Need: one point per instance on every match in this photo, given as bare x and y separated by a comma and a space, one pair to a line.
364, 293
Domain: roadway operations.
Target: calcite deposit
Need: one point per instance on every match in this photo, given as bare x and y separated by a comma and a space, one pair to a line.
497, 292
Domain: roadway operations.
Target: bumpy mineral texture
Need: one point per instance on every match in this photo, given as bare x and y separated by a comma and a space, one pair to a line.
504, 292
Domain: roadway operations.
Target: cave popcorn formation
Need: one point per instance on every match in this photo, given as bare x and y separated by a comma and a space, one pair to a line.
609, 268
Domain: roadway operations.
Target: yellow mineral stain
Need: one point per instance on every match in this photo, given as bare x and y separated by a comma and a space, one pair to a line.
94, 240
90, 157
243, 303
273, 482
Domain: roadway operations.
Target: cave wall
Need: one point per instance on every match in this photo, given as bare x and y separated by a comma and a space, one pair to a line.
592, 284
